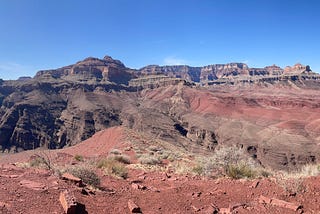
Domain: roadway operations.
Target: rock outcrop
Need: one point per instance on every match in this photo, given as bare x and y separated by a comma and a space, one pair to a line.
220, 72
297, 69
277, 114
154, 81
92, 70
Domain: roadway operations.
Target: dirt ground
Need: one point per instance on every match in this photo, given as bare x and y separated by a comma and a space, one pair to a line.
32, 190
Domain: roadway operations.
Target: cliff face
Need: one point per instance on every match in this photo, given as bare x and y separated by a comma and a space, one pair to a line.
297, 69
92, 70
65, 106
214, 72
155, 81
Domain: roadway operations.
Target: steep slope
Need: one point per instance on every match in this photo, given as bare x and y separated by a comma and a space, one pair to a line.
272, 112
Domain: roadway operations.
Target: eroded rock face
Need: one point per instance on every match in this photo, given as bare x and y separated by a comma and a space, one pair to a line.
53, 115
206, 138
92, 70
275, 116
155, 81
210, 72
297, 68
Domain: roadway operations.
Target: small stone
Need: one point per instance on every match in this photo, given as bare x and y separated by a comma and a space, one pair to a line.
68, 202
264, 200
138, 186
255, 184
72, 178
32, 185
284, 204
225, 211
134, 208
195, 208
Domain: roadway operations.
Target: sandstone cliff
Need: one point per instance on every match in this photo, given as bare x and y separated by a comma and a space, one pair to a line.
276, 117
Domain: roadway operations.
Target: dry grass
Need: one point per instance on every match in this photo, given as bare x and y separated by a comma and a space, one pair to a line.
42, 160
292, 182
113, 167
121, 158
87, 175
229, 161
115, 152
149, 159
198, 170
79, 158
240, 171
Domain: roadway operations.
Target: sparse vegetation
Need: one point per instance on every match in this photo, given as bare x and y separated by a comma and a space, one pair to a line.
291, 185
78, 158
149, 159
240, 171
229, 161
121, 158
115, 152
264, 173
87, 175
154, 148
198, 169
292, 182
113, 167
42, 160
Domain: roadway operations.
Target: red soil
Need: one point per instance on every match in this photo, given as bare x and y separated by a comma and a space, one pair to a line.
37, 191
99, 144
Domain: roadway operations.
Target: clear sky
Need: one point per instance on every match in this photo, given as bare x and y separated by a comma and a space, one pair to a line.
44, 34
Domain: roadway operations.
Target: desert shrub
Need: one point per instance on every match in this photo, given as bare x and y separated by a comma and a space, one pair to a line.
115, 152
198, 169
232, 155
42, 160
86, 174
265, 173
309, 170
119, 170
292, 182
164, 154
291, 185
154, 148
181, 167
121, 158
240, 171
149, 159
113, 167
78, 158
231, 161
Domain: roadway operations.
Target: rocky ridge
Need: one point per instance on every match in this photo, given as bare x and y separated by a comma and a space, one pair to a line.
62, 107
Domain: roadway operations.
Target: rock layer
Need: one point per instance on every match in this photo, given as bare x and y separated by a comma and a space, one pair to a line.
271, 112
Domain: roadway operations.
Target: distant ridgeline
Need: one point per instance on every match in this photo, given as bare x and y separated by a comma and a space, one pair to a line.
109, 71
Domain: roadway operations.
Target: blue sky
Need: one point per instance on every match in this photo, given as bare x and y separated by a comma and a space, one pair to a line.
38, 34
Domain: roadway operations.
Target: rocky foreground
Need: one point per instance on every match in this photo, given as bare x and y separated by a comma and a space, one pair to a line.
32, 185
38, 191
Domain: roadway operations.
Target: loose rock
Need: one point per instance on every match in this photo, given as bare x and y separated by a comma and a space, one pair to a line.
134, 208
